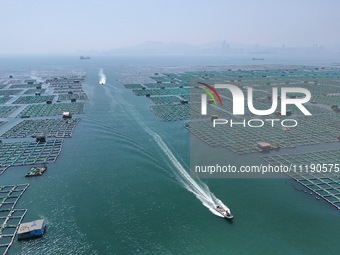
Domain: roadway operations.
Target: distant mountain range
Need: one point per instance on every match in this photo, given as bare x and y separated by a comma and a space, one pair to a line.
215, 48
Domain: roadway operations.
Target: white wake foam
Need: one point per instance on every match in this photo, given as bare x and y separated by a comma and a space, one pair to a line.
102, 77
196, 186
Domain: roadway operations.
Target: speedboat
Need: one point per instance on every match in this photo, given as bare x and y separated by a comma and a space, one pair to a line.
225, 212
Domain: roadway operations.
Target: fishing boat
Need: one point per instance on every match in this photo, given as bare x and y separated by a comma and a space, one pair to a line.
36, 171
224, 212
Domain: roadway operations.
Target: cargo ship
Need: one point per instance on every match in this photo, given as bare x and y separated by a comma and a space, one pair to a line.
84, 57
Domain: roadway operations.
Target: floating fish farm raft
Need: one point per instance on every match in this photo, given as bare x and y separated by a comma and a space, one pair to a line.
77, 96
177, 97
58, 128
33, 99
37, 139
5, 92
4, 99
29, 153
41, 110
310, 174
39, 103
33, 91
5, 111
10, 217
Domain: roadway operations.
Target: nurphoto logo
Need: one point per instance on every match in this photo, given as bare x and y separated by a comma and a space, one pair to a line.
239, 104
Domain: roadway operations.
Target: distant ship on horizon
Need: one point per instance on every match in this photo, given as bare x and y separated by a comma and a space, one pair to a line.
84, 57
257, 58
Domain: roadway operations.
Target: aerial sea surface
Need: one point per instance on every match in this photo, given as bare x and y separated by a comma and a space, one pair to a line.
118, 186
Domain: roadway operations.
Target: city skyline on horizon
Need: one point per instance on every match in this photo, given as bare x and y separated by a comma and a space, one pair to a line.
69, 27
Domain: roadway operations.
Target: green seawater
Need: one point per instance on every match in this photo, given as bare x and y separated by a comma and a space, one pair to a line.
114, 191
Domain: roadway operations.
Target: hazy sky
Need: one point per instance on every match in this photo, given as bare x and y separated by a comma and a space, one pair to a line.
63, 26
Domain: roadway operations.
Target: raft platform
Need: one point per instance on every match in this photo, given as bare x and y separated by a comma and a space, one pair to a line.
10, 218
325, 185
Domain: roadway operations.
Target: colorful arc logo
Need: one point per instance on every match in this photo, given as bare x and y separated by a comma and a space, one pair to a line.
239, 99
204, 97
210, 94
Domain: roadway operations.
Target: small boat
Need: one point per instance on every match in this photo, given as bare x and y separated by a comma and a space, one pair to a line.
36, 171
225, 212
84, 57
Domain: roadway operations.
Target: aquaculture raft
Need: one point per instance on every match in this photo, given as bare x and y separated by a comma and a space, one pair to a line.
77, 96
8, 92
23, 86
10, 218
58, 128
33, 91
10, 224
38, 110
5, 111
324, 184
183, 103
29, 153
4, 99
33, 99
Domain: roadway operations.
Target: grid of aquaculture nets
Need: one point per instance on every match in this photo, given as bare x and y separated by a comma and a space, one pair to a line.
10, 218
26, 152
10, 221
65, 91
161, 85
322, 126
77, 96
29, 153
66, 85
167, 96
164, 91
165, 99
5, 111
174, 112
9, 196
133, 86
33, 99
244, 140
23, 86
325, 182
58, 128
33, 91
4, 99
38, 110
71, 87
8, 92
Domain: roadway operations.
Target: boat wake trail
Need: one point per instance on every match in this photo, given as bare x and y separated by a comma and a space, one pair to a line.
195, 186
102, 77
